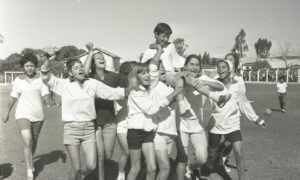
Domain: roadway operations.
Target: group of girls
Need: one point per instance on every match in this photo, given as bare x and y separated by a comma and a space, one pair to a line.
150, 119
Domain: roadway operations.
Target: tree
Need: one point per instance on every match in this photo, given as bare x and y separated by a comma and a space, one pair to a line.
180, 45
262, 47
65, 52
261, 65
285, 50
240, 45
11, 63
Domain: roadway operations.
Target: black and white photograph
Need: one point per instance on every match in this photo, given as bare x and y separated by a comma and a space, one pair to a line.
149, 90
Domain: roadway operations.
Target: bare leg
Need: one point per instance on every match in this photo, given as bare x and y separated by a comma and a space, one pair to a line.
135, 158
239, 157
149, 153
89, 151
162, 158
101, 153
124, 155
74, 153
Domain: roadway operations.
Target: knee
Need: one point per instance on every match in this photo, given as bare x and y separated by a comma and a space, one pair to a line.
151, 168
135, 168
28, 143
201, 158
164, 168
90, 166
239, 156
76, 169
108, 155
101, 157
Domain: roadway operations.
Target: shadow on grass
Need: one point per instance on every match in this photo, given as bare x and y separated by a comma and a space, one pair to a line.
5, 170
42, 160
273, 109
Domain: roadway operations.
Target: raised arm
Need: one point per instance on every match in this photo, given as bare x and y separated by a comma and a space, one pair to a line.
159, 51
88, 61
55, 84
106, 92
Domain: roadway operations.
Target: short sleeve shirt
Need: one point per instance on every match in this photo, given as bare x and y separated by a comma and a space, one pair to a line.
30, 104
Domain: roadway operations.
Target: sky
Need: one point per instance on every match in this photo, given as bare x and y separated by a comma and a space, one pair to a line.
126, 27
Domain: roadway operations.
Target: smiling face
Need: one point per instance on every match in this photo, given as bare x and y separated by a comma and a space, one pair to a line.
193, 66
29, 69
77, 71
144, 78
99, 60
162, 38
223, 70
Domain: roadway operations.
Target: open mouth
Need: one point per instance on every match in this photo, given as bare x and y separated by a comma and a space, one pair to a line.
81, 74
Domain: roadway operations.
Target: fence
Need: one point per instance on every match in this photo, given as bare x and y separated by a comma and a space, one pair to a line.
291, 75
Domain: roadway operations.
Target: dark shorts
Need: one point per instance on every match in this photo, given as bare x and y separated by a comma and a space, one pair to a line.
136, 137
214, 139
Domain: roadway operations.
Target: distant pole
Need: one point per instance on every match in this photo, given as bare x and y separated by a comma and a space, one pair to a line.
287, 75
267, 75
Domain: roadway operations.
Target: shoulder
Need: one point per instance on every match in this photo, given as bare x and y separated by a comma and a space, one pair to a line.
170, 46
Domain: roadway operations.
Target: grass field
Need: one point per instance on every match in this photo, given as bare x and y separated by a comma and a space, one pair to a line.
271, 154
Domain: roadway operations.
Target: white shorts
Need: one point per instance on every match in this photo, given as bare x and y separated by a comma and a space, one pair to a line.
122, 127
164, 141
198, 140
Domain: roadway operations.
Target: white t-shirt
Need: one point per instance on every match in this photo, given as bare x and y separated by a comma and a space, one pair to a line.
170, 58
30, 104
78, 103
228, 117
142, 109
166, 117
194, 122
281, 87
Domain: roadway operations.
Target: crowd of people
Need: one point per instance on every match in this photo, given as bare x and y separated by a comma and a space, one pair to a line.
159, 106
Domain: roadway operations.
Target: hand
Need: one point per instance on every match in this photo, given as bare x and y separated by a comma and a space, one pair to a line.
5, 117
89, 46
152, 46
261, 123
159, 48
179, 90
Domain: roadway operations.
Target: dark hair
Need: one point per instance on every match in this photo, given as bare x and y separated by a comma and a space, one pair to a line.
188, 59
47, 55
236, 60
93, 65
70, 63
224, 62
162, 28
126, 67
28, 57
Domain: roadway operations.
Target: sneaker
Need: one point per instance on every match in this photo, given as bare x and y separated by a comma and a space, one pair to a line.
188, 173
121, 176
227, 169
30, 175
